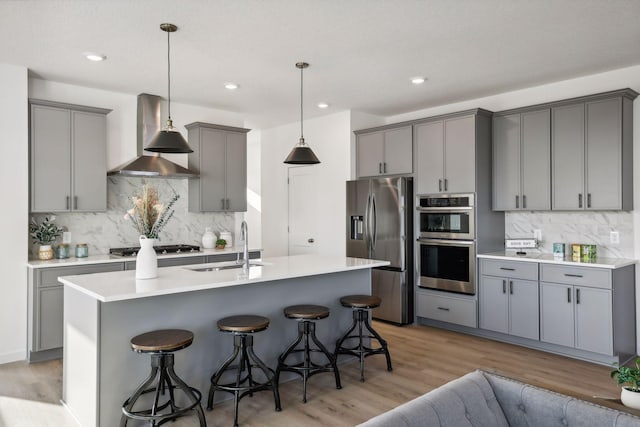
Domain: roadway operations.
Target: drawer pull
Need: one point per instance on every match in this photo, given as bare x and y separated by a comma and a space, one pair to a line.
573, 275
507, 269
443, 308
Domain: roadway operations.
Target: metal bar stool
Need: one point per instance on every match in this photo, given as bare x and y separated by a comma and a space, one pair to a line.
160, 345
361, 305
242, 327
305, 315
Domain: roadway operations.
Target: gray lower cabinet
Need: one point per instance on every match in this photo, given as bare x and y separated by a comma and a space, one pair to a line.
508, 300
522, 160
46, 307
588, 308
592, 151
447, 307
451, 151
220, 157
386, 151
68, 145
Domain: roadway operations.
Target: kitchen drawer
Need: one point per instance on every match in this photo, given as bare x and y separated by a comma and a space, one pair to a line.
580, 276
447, 309
49, 276
510, 269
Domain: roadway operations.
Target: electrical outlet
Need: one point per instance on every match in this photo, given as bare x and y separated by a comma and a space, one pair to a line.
537, 234
614, 237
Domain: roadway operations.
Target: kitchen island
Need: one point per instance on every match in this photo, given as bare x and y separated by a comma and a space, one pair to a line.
104, 310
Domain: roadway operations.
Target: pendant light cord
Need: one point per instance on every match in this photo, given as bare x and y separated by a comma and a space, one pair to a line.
301, 121
169, 71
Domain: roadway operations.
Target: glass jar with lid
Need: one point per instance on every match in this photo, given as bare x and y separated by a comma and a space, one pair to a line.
82, 250
62, 251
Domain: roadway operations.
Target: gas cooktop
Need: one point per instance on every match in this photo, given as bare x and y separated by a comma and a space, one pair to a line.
163, 249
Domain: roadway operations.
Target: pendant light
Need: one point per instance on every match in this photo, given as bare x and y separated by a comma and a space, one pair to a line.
169, 140
301, 153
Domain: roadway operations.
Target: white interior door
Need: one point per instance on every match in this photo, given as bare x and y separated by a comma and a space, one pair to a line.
303, 210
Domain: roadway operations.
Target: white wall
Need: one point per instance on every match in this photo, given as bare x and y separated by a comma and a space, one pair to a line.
330, 139
254, 189
14, 158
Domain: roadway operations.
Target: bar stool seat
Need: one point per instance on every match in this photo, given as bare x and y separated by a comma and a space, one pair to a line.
361, 305
160, 345
242, 327
305, 315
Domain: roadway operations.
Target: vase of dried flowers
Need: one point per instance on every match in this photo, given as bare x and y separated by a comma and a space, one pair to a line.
149, 217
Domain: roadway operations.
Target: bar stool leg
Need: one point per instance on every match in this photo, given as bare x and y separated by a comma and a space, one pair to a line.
195, 400
269, 374
330, 356
383, 343
215, 378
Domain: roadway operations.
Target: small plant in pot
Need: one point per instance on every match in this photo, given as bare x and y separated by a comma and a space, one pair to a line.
44, 234
629, 379
221, 243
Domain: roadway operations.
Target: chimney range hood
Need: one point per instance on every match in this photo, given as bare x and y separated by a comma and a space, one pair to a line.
152, 165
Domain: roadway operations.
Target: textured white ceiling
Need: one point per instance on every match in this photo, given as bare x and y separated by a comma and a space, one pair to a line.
362, 52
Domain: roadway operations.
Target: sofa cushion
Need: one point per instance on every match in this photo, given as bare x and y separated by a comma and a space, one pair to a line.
466, 401
528, 406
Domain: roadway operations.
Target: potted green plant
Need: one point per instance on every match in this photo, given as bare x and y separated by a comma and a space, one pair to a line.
44, 234
629, 379
221, 243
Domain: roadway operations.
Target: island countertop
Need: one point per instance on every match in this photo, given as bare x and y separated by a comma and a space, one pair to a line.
122, 285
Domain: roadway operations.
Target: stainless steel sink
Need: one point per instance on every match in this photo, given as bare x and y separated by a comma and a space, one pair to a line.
223, 267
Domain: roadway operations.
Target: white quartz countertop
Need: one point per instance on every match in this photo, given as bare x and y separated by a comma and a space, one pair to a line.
102, 259
534, 256
122, 285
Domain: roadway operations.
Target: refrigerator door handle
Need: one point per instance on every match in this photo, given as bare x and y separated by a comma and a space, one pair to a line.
374, 223
367, 237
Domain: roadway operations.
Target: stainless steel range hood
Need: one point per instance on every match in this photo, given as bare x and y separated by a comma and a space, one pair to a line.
147, 164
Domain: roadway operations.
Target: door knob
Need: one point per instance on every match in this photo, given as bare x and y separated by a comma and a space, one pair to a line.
311, 240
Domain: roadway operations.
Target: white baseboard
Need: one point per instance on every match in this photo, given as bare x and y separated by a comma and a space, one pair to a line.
13, 357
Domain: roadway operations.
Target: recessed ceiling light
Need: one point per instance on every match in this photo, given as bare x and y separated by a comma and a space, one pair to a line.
322, 105
92, 56
231, 86
418, 80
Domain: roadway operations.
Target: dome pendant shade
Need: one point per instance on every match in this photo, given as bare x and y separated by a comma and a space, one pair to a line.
169, 140
301, 154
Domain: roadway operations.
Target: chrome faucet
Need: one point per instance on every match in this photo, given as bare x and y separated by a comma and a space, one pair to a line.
244, 235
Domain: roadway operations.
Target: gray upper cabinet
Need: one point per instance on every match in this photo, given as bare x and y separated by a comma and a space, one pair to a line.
450, 152
384, 151
220, 156
68, 157
522, 161
592, 153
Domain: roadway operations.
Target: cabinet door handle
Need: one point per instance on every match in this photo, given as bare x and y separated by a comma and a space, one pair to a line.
507, 269
568, 294
379, 167
443, 308
222, 200
384, 167
580, 200
588, 200
227, 204
504, 286
75, 202
524, 201
68, 207
511, 287
573, 275
440, 185
446, 184
517, 201
577, 296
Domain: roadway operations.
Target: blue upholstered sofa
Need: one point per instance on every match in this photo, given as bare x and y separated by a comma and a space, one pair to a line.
484, 399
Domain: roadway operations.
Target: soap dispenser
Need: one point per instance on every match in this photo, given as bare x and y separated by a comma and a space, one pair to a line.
208, 239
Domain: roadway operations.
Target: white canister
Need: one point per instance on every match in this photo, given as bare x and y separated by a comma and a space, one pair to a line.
208, 239
226, 235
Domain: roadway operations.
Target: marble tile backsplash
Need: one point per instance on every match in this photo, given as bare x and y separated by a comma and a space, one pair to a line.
575, 227
110, 229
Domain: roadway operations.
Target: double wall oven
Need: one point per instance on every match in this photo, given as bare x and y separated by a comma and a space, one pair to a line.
446, 243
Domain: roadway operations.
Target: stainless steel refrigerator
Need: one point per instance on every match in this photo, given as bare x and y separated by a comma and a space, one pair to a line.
380, 226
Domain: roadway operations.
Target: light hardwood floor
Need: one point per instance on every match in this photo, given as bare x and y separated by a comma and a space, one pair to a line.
423, 358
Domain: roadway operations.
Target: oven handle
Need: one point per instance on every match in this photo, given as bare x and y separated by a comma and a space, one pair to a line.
446, 209
446, 242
